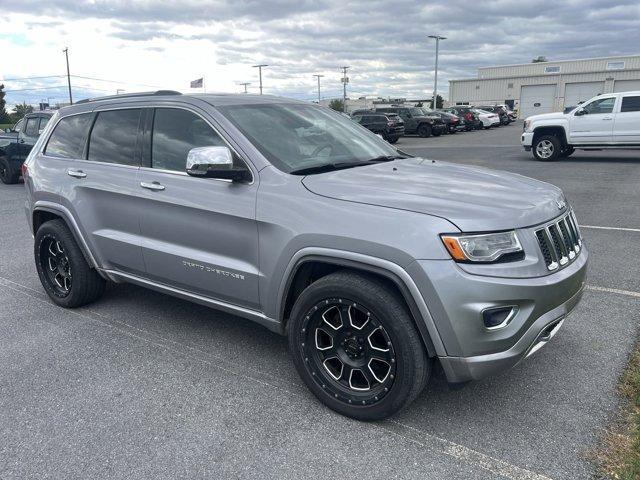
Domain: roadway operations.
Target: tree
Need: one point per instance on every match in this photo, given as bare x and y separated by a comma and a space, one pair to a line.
4, 116
439, 101
337, 105
20, 110
539, 59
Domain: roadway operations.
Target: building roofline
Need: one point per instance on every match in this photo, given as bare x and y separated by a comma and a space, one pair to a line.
561, 61
537, 75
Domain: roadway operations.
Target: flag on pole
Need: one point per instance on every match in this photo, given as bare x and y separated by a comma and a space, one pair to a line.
197, 83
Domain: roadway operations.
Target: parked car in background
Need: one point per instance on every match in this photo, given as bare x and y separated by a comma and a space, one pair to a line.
488, 119
416, 120
607, 121
390, 127
471, 120
375, 264
17, 142
453, 122
499, 110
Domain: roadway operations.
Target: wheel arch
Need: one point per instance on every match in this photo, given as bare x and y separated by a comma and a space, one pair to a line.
46, 211
311, 267
558, 131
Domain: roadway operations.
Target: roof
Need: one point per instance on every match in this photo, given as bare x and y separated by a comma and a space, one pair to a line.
560, 61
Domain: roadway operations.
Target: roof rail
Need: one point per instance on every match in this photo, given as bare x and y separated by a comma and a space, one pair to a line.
130, 95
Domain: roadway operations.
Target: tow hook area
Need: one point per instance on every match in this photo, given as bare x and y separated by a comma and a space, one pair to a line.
545, 335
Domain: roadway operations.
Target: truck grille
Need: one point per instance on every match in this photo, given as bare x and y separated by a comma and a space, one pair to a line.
560, 242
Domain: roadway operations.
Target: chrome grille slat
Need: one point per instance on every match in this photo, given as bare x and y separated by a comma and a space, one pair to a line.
559, 241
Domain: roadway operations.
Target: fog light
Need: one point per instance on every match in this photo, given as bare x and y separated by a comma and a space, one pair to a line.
498, 317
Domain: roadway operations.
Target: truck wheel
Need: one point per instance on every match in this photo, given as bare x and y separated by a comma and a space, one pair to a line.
62, 268
356, 347
7, 175
424, 130
546, 148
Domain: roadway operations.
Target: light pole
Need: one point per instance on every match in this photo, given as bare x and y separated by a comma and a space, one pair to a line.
318, 77
66, 54
245, 86
345, 80
259, 67
435, 83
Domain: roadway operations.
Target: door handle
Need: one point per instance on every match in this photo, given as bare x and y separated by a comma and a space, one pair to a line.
155, 186
76, 173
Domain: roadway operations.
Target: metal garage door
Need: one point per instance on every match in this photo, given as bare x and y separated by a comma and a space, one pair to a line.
626, 85
575, 93
536, 99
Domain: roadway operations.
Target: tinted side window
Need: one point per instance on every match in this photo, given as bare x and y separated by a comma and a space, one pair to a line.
603, 105
630, 104
67, 139
31, 128
175, 132
43, 123
18, 126
114, 135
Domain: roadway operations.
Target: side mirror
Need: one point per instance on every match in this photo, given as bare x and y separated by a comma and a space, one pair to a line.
214, 162
581, 112
7, 130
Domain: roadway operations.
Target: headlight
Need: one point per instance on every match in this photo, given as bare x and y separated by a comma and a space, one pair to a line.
481, 248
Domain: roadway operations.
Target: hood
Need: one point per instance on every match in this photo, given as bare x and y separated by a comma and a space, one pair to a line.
547, 116
474, 199
8, 138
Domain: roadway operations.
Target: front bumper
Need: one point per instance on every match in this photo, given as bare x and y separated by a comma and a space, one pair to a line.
527, 140
456, 300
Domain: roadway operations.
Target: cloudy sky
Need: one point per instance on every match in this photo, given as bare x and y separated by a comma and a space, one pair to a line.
148, 44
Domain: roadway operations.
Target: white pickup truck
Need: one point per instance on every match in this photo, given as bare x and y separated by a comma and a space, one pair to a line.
610, 120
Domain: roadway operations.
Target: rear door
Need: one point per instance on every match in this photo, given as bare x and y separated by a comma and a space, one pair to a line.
626, 129
199, 234
596, 125
28, 137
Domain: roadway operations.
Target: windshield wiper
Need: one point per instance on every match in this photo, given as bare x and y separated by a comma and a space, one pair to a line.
328, 167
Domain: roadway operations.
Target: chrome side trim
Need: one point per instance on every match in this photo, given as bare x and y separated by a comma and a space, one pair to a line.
248, 313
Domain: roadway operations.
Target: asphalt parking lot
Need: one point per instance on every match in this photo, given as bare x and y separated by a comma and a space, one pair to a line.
142, 385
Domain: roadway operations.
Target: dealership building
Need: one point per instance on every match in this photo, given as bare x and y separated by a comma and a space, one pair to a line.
545, 87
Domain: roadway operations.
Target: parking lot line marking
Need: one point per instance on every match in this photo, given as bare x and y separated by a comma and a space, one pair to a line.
460, 452
427, 440
614, 290
622, 229
457, 146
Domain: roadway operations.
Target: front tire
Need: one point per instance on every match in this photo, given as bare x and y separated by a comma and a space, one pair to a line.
64, 273
356, 347
7, 175
424, 130
546, 148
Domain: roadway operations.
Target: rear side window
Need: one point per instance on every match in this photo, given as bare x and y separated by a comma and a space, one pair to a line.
630, 104
113, 137
68, 137
43, 123
175, 132
31, 128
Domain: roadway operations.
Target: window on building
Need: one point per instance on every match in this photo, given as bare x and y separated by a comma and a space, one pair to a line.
630, 104
510, 85
552, 69
67, 139
175, 132
114, 135
615, 65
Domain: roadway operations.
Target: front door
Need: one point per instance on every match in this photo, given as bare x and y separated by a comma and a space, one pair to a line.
199, 234
594, 122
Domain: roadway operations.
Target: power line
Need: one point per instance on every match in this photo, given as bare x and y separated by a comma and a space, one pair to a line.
30, 78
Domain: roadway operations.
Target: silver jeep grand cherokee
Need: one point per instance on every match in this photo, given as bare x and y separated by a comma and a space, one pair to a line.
375, 264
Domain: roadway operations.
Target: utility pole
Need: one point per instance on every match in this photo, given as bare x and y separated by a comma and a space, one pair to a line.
435, 84
318, 77
259, 67
245, 86
345, 80
66, 54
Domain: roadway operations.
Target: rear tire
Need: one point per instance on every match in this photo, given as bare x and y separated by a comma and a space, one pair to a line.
356, 347
568, 151
63, 270
424, 130
546, 148
7, 175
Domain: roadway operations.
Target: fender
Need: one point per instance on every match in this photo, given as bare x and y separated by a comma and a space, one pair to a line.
390, 270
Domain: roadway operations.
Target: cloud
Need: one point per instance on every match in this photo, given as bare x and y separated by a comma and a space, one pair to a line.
383, 41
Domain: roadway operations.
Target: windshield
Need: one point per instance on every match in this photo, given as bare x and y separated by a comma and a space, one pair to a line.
297, 136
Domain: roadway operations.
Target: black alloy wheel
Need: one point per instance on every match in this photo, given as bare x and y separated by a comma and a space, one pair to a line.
55, 263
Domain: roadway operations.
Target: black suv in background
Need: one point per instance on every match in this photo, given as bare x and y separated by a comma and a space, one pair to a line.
453, 122
472, 122
500, 111
391, 127
17, 142
416, 120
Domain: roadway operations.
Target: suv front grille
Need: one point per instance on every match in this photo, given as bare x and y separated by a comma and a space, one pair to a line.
559, 242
